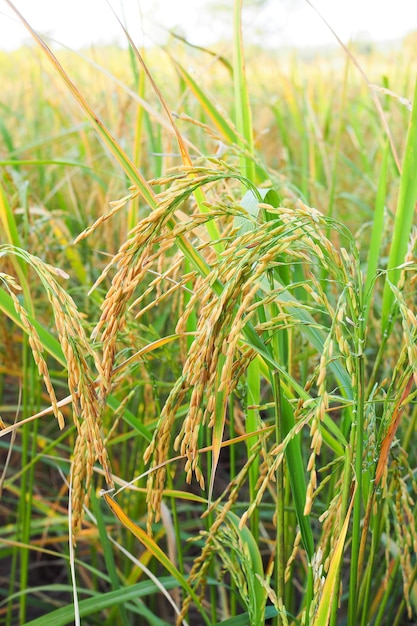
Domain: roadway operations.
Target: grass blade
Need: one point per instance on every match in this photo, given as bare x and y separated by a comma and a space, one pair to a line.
376, 237
243, 110
323, 612
221, 123
100, 602
404, 215
155, 550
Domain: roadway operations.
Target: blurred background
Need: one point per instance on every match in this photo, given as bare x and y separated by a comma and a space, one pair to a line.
273, 23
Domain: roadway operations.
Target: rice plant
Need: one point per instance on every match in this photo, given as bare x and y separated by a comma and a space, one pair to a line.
222, 322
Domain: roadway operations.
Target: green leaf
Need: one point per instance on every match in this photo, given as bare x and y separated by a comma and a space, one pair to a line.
155, 550
407, 200
65, 615
324, 609
49, 342
258, 601
221, 123
243, 618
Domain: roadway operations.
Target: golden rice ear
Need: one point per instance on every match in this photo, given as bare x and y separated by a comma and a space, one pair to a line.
35, 345
81, 472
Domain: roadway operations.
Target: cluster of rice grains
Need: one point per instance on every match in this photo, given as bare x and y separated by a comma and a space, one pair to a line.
77, 352
219, 355
225, 301
227, 292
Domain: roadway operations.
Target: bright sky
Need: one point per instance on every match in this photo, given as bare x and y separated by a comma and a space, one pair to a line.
76, 23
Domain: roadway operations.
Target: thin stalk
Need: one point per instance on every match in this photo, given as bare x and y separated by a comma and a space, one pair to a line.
376, 237
243, 113
177, 529
336, 152
25, 501
252, 424
377, 362
404, 215
177, 535
346, 490
399, 616
232, 473
280, 559
12, 578
278, 342
232, 434
118, 611
381, 615
376, 536
357, 446
133, 214
209, 523
290, 526
304, 150
365, 529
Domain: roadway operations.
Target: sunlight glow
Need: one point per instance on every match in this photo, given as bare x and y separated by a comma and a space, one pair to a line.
274, 24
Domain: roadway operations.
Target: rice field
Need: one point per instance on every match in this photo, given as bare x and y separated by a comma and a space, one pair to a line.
208, 347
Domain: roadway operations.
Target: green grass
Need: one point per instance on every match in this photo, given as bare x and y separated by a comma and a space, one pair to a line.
235, 337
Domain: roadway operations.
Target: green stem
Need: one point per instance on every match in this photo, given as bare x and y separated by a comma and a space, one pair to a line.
381, 615
280, 500
368, 572
242, 102
399, 616
346, 489
25, 503
252, 424
336, 151
404, 215
357, 446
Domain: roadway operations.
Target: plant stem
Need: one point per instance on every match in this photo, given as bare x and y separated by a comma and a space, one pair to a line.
357, 446
280, 500
252, 424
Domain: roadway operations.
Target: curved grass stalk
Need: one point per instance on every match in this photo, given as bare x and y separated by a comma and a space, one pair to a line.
330, 588
403, 218
155, 550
